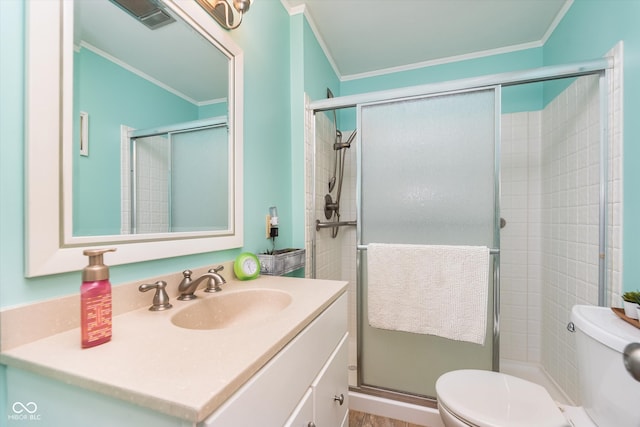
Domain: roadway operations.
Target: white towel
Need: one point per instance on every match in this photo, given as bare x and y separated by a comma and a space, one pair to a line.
435, 290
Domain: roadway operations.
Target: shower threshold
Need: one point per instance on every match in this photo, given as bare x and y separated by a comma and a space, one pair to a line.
413, 399
417, 410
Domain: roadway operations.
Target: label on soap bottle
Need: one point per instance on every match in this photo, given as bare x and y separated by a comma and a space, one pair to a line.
96, 317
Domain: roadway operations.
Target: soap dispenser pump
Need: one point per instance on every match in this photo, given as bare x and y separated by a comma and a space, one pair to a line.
95, 300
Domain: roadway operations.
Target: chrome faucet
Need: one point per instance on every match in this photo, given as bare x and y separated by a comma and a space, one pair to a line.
188, 286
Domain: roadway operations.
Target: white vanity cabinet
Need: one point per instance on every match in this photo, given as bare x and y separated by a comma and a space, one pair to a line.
286, 370
297, 386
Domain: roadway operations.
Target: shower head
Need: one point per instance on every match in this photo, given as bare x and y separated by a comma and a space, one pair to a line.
332, 183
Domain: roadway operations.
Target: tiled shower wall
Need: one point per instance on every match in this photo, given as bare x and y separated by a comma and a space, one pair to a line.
570, 183
549, 246
550, 198
520, 281
152, 175
335, 257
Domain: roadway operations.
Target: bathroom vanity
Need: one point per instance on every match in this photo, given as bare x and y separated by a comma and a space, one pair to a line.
283, 367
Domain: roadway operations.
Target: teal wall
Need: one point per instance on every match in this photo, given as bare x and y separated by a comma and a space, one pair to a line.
212, 110
311, 74
501, 63
63, 405
264, 37
318, 72
296, 103
11, 155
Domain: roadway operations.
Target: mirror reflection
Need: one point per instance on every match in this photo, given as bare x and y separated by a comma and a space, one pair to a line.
168, 167
151, 150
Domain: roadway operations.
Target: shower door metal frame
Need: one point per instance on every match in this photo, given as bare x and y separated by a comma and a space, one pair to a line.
601, 67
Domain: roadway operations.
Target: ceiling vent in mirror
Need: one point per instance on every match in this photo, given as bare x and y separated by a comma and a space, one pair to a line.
149, 12
228, 13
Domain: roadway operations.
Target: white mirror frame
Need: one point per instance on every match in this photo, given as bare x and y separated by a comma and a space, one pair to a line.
45, 130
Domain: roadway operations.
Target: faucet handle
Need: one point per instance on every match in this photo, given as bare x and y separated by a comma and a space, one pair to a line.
219, 279
185, 293
160, 298
215, 280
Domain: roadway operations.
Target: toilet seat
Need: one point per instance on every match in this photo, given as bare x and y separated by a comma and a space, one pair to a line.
493, 399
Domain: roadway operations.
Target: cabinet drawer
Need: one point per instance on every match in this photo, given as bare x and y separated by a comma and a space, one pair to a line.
331, 390
271, 395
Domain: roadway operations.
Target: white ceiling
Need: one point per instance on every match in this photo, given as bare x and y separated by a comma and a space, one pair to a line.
364, 37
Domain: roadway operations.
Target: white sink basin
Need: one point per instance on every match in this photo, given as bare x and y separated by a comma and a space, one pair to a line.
233, 309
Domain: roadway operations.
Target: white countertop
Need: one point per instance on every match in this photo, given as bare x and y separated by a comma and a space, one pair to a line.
180, 372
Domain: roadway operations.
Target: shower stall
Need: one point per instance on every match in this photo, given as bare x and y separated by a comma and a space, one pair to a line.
422, 170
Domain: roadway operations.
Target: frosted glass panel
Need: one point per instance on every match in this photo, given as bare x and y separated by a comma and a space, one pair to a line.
199, 201
428, 170
427, 177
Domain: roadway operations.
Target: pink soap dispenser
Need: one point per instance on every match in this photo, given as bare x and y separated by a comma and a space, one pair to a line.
95, 300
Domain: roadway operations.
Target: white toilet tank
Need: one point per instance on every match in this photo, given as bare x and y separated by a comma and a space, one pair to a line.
608, 392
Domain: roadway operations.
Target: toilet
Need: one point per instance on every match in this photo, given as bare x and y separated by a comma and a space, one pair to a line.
609, 395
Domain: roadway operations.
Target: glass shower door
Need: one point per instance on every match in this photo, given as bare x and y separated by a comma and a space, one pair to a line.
427, 176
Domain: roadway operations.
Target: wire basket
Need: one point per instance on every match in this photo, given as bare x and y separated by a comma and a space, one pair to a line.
282, 261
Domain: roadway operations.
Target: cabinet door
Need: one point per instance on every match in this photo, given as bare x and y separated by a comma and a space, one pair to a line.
303, 414
331, 389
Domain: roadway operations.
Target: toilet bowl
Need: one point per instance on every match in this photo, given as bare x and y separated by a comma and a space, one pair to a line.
476, 398
492, 399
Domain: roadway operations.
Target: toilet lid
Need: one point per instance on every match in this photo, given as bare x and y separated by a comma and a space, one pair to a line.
493, 399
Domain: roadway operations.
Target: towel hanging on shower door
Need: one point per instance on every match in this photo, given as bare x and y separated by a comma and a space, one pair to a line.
434, 290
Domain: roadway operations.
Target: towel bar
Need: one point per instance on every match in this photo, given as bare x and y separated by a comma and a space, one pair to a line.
492, 251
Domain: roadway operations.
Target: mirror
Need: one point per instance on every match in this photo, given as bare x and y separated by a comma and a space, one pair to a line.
82, 125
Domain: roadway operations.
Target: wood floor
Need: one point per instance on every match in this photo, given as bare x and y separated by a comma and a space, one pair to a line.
361, 419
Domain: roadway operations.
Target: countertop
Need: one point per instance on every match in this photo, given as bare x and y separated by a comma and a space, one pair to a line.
179, 372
